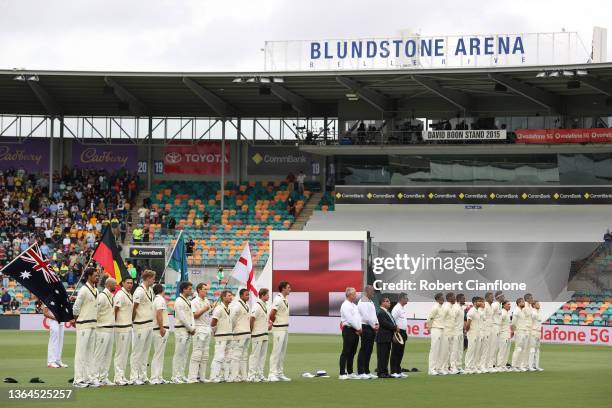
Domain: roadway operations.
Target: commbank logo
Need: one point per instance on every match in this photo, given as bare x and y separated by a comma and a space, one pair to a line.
257, 158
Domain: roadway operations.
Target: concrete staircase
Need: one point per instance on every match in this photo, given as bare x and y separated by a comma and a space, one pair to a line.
142, 194
307, 211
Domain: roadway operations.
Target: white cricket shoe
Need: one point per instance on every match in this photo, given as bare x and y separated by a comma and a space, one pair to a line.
343, 377
53, 365
273, 378
283, 377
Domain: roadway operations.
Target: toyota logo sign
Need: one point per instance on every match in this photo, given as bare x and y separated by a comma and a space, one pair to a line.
173, 158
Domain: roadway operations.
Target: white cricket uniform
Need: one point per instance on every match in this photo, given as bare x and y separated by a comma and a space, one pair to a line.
86, 310
56, 341
104, 335
183, 326
123, 333
201, 341
142, 334
159, 341
474, 335
448, 322
456, 338
534, 338
259, 341
521, 324
435, 323
240, 314
503, 340
494, 333
220, 367
483, 358
280, 336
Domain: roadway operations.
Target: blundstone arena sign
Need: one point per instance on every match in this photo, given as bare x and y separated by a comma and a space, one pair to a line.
414, 51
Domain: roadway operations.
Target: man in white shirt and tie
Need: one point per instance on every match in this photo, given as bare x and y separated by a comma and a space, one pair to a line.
369, 326
397, 349
351, 330
435, 325
184, 328
260, 326
104, 332
279, 316
161, 332
240, 315
123, 306
142, 316
202, 314
85, 312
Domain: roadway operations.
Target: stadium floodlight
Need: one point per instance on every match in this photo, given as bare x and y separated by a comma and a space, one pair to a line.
278, 80
554, 74
582, 72
264, 80
238, 80
541, 74
568, 73
19, 78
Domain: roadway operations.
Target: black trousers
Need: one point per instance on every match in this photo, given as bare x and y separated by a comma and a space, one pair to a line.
365, 352
382, 353
350, 341
397, 353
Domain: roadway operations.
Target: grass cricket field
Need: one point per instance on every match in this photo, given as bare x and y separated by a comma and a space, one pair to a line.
574, 376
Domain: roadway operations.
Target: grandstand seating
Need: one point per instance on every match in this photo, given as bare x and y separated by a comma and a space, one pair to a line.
327, 202
251, 210
585, 309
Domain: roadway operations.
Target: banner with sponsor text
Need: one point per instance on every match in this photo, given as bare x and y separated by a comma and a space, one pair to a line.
30, 154
104, 157
491, 134
557, 136
202, 158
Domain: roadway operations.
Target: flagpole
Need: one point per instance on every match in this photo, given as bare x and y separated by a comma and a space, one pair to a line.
170, 257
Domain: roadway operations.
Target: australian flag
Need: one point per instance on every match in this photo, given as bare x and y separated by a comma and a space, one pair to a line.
32, 271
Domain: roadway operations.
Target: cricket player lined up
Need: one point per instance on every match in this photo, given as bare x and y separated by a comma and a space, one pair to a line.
221, 325
448, 322
496, 308
521, 325
435, 325
123, 306
487, 327
260, 326
473, 328
240, 315
456, 344
85, 312
202, 314
279, 316
161, 332
105, 332
184, 328
142, 317
534, 338
504, 338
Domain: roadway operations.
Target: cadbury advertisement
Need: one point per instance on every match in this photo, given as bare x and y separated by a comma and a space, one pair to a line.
107, 157
30, 154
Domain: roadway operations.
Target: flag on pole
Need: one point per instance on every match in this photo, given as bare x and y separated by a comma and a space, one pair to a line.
107, 254
244, 271
178, 261
32, 271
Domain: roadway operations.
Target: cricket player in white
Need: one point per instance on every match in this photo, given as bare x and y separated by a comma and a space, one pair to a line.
521, 325
240, 314
202, 314
487, 328
435, 325
448, 322
496, 309
85, 312
56, 340
123, 329
142, 316
221, 325
105, 332
184, 328
504, 338
456, 343
161, 332
534, 338
279, 316
473, 328
259, 336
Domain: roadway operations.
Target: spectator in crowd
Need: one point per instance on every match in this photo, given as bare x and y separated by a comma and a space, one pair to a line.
607, 237
6, 300
290, 182
137, 233
291, 205
189, 246
142, 214
301, 178
122, 230
14, 305
171, 224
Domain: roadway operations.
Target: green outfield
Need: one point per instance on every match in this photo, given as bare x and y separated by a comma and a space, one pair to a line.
575, 376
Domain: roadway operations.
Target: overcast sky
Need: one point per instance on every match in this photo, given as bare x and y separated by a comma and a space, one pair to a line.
228, 35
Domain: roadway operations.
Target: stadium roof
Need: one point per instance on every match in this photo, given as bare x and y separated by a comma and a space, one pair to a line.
432, 93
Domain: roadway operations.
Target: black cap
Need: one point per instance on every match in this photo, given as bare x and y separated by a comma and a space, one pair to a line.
10, 380
36, 380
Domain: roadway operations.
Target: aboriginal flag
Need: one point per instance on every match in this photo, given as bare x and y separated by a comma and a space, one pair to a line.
32, 270
109, 257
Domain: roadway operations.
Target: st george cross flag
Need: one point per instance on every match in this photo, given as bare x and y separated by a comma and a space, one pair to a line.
244, 271
319, 271
32, 271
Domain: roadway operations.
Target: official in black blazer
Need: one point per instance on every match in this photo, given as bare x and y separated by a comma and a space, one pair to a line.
384, 337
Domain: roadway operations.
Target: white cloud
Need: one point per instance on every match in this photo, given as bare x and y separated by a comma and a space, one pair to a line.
204, 35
